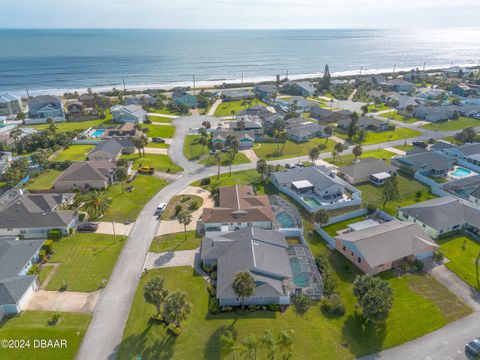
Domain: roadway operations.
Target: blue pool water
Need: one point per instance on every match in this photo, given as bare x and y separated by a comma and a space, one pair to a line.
300, 277
285, 220
461, 172
97, 133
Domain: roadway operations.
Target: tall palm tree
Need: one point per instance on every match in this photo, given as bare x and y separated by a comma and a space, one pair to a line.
97, 203
184, 218
121, 175
243, 285
357, 151
250, 345
268, 341
154, 293
339, 148
285, 342
314, 153
228, 344
177, 307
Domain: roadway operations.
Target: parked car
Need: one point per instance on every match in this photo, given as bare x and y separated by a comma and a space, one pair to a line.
225, 149
160, 208
300, 164
146, 170
158, 140
213, 152
419, 143
87, 227
473, 347
290, 166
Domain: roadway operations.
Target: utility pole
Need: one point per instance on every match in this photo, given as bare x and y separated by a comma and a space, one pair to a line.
394, 65
124, 88
424, 63
114, 234
287, 75
361, 69
451, 63
241, 82
193, 84
26, 89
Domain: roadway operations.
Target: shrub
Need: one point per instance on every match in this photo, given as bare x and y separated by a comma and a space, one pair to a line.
42, 254
332, 305
205, 182
329, 284
418, 194
418, 265
54, 234
213, 275
438, 256
178, 208
48, 247
213, 307
302, 303
194, 205
54, 319
273, 307
174, 329
35, 269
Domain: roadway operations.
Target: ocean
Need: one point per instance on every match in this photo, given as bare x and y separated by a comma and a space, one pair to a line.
55, 61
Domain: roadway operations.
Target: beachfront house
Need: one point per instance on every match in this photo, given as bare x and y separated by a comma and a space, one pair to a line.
182, 97
237, 95
238, 208
369, 169
380, 247
43, 107
94, 100
299, 88
16, 284
266, 91
129, 113
441, 216
10, 105
316, 187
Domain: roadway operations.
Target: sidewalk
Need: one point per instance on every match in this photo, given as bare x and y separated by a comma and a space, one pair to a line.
214, 107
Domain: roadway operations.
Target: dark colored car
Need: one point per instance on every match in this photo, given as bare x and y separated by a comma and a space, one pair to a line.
87, 227
473, 347
419, 143
158, 140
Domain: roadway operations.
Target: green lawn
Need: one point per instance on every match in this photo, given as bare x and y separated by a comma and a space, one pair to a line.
226, 108
191, 149
162, 131
459, 124
407, 188
349, 158
397, 134
44, 181
244, 177
176, 242
462, 251
158, 161
421, 305
45, 271
160, 119
395, 116
184, 201
75, 125
334, 228
85, 260
31, 325
292, 149
225, 161
127, 205
157, 145
74, 153
164, 111
376, 108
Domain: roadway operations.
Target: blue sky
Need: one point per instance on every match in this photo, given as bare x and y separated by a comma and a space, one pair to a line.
238, 14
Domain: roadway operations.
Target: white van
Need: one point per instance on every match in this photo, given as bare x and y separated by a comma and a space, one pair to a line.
161, 208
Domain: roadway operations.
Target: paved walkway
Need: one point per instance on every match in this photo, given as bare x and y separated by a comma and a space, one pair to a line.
170, 259
108, 228
337, 139
159, 151
395, 150
457, 286
161, 123
66, 301
250, 154
163, 115
212, 110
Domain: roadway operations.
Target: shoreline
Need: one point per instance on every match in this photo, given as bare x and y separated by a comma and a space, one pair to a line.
210, 84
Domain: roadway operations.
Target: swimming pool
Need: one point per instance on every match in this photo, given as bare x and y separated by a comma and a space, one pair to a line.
97, 133
460, 172
285, 220
312, 201
300, 276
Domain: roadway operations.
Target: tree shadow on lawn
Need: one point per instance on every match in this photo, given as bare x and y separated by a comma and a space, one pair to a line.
135, 345
361, 337
213, 346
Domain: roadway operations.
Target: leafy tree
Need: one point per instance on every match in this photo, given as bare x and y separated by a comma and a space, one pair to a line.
467, 135
357, 151
390, 190
314, 153
122, 162
302, 303
262, 168
375, 296
329, 132
97, 203
121, 175
17, 171
322, 217
206, 124
21, 116
364, 109
176, 307
243, 285
41, 157
184, 218
15, 134
352, 126
154, 293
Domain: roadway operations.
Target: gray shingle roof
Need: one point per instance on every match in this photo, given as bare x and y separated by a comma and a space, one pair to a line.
388, 242
443, 212
317, 175
427, 161
262, 253
113, 147
15, 254
87, 171
366, 167
12, 289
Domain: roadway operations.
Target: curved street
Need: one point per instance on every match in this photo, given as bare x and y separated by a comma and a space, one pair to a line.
104, 335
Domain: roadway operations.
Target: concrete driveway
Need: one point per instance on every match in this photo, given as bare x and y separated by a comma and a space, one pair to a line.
66, 301
108, 227
170, 259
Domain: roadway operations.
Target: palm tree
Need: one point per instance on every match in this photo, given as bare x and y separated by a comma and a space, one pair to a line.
97, 204
51, 126
154, 293
268, 341
184, 218
202, 140
314, 153
250, 345
138, 143
329, 132
339, 148
243, 285
121, 175
228, 345
176, 307
357, 151
285, 342
218, 161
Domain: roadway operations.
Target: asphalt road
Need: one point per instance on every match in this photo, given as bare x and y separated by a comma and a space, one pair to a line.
104, 334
